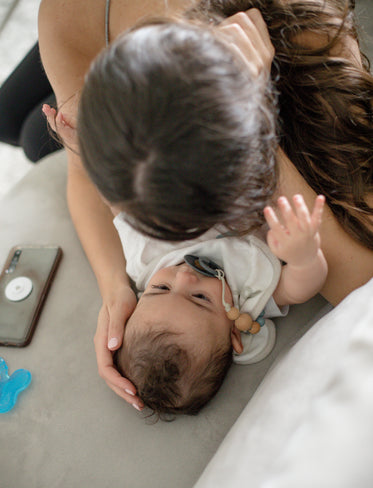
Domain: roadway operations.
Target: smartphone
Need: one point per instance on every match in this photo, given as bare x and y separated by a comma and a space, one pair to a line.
24, 283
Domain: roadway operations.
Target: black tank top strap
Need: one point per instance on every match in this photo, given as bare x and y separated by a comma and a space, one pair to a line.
107, 26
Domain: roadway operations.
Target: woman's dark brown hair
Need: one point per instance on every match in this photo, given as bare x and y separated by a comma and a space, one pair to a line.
325, 101
175, 131
170, 130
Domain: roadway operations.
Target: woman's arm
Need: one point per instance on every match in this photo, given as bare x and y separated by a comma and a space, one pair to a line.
93, 222
66, 55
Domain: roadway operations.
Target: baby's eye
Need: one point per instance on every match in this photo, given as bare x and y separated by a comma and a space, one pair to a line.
201, 296
161, 287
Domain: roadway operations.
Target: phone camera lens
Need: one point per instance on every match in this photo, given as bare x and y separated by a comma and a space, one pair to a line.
14, 261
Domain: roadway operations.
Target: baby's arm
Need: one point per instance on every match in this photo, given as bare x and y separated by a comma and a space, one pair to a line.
297, 242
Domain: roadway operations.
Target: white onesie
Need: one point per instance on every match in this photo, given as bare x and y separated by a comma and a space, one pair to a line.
251, 270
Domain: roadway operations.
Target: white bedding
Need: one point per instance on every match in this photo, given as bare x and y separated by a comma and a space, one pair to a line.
310, 423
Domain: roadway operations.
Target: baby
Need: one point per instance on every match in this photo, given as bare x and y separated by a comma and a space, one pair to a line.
198, 296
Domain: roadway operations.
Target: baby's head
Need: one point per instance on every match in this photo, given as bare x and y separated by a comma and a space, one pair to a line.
178, 343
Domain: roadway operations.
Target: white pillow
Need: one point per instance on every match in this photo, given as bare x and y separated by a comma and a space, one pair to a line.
310, 423
333, 445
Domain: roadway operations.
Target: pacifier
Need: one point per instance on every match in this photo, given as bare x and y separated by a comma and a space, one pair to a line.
203, 265
207, 267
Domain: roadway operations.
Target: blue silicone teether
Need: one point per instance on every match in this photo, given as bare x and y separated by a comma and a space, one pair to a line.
10, 386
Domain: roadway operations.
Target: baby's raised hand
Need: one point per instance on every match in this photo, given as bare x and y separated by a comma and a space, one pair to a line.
294, 236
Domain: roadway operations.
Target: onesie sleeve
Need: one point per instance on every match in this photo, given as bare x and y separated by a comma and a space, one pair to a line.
253, 274
273, 310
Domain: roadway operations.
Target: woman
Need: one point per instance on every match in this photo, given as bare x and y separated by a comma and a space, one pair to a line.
70, 38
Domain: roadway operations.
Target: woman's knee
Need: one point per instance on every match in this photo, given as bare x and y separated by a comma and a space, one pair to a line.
10, 123
20, 93
36, 139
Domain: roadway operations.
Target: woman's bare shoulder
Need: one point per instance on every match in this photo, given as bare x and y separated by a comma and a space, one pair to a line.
71, 33
76, 23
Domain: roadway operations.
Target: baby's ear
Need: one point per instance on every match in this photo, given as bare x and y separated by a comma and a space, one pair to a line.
236, 340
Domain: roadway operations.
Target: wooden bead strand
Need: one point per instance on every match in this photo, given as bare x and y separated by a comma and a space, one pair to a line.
243, 321
255, 328
233, 313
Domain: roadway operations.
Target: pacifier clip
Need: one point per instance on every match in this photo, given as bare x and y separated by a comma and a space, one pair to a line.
243, 321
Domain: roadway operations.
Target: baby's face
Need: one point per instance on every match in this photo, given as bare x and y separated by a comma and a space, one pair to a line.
185, 302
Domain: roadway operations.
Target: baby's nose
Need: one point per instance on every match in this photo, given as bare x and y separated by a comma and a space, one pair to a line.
185, 273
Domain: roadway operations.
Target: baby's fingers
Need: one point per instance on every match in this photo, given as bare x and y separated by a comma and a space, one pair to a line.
317, 212
271, 218
278, 231
290, 219
302, 213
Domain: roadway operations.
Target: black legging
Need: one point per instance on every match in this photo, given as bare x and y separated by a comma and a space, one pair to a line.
22, 96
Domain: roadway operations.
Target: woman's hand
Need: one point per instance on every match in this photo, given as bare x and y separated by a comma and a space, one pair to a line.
249, 38
113, 315
295, 237
62, 126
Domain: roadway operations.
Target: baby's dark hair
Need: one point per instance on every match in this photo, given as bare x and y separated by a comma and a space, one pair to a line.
170, 379
174, 130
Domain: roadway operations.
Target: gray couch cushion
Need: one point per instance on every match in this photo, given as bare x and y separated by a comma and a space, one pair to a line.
68, 428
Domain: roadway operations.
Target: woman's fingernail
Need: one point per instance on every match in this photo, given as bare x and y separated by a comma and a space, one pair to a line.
113, 343
130, 392
136, 406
